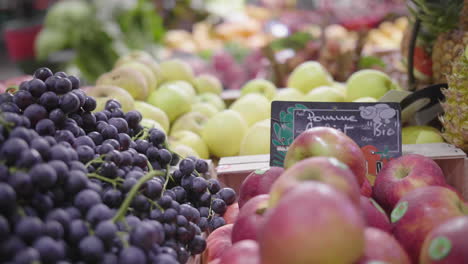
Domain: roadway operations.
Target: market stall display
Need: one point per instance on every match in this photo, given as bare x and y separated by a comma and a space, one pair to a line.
272, 132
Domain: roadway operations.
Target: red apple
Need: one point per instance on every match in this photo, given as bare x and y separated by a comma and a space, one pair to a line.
366, 188
403, 174
250, 219
258, 182
323, 169
215, 261
447, 243
374, 215
218, 242
381, 247
242, 252
231, 213
313, 223
329, 142
422, 210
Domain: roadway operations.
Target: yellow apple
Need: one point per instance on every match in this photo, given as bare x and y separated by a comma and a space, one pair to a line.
145, 70
420, 135
127, 78
223, 133
149, 111
172, 100
288, 94
206, 109
192, 121
212, 99
340, 87
184, 151
261, 86
184, 86
368, 83
192, 140
176, 70
253, 108
308, 76
206, 83
150, 123
257, 139
103, 93
325, 94
365, 100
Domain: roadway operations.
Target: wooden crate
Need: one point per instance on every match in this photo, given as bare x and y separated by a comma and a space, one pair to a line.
231, 171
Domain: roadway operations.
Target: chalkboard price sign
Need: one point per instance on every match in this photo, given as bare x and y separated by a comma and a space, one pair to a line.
375, 127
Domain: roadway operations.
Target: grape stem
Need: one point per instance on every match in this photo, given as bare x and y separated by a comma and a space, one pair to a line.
97, 176
133, 192
166, 181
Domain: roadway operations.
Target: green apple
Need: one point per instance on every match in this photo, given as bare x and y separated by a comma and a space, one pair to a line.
253, 108
103, 93
257, 139
420, 135
145, 70
184, 151
223, 133
325, 94
172, 100
365, 100
207, 83
288, 94
206, 109
309, 75
340, 87
192, 140
192, 121
176, 70
261, 86
212, 99
368, 83
127, 78
184, 86
150, 123
149, 111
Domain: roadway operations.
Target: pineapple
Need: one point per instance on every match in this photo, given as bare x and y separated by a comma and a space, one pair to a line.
455, 118
448, 46
439, 33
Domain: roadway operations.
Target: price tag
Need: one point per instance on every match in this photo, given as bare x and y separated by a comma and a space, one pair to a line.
375, 127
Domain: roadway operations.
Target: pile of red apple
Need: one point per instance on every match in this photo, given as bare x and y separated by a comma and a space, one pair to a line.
322, 209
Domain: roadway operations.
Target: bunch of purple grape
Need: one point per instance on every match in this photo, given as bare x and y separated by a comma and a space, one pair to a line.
78, 186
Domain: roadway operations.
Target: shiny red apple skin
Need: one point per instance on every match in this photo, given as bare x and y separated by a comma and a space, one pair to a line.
366, 188
420, 171
422, 210
381, 246
314, 223
328, 142
374, 215
242, 252
231, 213
218, 242
437, 250
258, 182
250, 220
323, 169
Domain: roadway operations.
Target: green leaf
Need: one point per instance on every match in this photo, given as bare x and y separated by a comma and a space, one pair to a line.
367, 62
237, 51
295, 41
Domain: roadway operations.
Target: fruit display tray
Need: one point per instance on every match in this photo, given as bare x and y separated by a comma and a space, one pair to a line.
231, 171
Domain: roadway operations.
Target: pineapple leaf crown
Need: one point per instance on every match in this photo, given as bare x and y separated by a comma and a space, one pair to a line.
436, 16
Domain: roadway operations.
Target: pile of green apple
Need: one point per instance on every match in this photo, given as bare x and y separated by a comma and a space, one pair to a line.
190, 110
